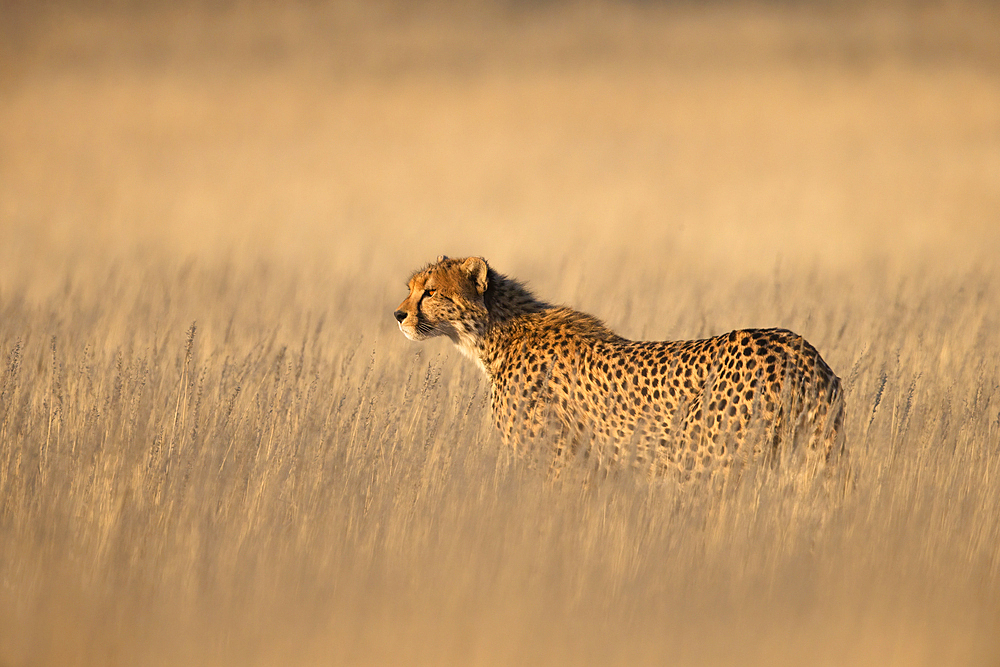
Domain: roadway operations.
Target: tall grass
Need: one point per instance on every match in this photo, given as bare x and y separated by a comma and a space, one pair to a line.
317, 497
216, 448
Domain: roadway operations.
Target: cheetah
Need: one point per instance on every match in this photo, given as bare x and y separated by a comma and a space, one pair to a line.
558, 376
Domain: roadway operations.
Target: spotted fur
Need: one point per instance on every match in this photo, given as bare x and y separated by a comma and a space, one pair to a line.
561, 377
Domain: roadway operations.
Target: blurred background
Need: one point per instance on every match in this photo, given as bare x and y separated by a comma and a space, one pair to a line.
729, 137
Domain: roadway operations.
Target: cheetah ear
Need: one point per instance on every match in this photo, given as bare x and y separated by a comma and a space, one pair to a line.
441, 258
478, 270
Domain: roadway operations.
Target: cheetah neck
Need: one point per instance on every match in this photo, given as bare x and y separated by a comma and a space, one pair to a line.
507, 299
509, 307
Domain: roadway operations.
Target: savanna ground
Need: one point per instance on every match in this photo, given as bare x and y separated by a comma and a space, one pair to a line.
217, 449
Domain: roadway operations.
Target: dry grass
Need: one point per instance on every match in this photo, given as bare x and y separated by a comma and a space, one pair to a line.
289, 481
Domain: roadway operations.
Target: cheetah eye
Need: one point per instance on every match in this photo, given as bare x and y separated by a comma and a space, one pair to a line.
430, 292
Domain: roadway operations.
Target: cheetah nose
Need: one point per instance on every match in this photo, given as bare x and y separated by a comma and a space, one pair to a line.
400, 316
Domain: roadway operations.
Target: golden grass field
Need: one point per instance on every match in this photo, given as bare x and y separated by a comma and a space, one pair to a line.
216, 448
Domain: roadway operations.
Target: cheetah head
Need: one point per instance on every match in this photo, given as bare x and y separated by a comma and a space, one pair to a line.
447, 299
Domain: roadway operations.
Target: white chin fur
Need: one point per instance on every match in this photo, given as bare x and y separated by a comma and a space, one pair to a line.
409, 333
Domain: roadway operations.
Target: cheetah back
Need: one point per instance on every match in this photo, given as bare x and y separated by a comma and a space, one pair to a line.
691, 406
